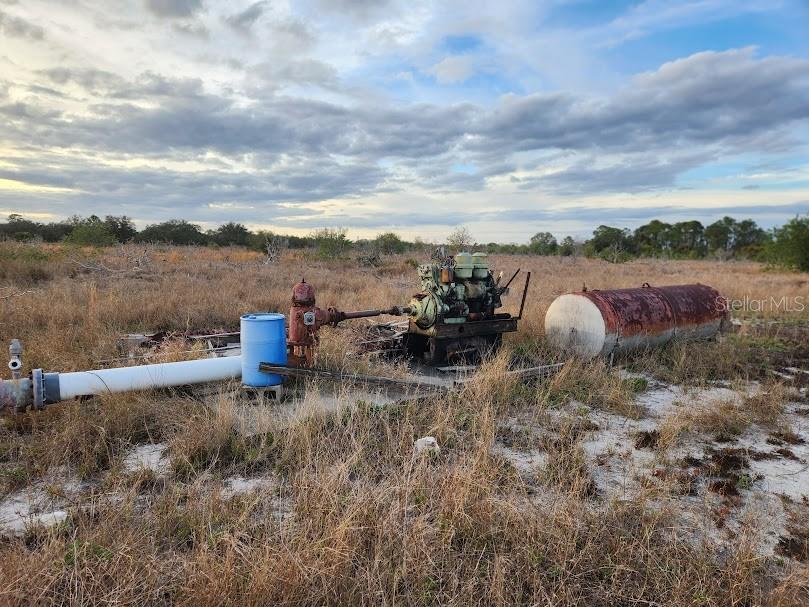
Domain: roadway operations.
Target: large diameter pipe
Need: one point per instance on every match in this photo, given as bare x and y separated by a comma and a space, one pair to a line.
146, 377
593, 323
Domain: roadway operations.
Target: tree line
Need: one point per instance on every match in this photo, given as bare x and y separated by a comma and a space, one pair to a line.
727, 238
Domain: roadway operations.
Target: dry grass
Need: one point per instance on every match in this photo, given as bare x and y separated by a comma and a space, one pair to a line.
767, 405
373, 524
722, 417
350, 514
729, 417
567, 465
592, 383
88, 437
725, 419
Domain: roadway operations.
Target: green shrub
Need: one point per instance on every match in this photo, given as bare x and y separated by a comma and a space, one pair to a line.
92, 234
389, 243
791, 246
331, 243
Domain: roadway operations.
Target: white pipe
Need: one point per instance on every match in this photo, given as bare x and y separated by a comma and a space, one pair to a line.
145, 377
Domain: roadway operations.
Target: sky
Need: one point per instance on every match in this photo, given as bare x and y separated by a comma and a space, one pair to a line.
509, 117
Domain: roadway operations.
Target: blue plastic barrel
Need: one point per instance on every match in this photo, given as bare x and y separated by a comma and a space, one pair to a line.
263, 340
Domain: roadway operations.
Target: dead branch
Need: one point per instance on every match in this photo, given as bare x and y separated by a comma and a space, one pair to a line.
12, 294
100, 267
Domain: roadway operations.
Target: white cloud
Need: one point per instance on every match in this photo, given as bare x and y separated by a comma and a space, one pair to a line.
453, 70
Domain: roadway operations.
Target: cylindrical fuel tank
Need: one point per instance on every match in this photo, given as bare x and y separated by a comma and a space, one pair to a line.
593, 323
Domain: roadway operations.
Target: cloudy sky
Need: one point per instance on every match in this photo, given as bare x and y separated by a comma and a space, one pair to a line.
509, 117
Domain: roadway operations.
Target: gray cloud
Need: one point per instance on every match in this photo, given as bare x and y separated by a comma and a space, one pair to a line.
355, 9
245, 19
707, 97
90, 79
188, 119
302, 150
636, 173
721, 101
273, 181
291, 34
20, 28
174, 8
296, 71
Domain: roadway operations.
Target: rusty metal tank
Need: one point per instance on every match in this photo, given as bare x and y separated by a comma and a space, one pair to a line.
601, 323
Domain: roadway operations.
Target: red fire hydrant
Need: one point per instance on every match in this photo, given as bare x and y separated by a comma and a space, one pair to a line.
305, 320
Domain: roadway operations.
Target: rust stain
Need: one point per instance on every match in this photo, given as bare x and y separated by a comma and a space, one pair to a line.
657, 310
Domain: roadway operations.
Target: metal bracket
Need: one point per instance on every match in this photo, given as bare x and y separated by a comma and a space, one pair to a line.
38, 388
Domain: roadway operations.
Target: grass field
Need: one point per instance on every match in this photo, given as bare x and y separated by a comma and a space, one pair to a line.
679, 478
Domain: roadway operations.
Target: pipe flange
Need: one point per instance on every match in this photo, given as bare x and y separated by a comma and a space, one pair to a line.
38, 388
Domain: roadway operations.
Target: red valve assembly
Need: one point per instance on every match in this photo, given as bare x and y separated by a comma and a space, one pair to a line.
305, 320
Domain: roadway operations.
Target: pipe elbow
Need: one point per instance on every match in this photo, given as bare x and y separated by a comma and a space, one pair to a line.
16, 395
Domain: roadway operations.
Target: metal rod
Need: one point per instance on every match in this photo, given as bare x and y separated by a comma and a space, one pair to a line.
531, 372
524, 293
341, 376
540, 372
512, 278
361, 314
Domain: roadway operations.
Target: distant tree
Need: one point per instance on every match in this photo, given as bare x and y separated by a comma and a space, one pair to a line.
257, 240
543, 243
653, 238
76, 220
749, 239
568, 247
299, 242
420, 245
331, 243
389, 243
612, 244
19, 228
736, 238
55, 232
719, 235
460, 239
121, 227
790, 247
175, 231
231, 234
687, 239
